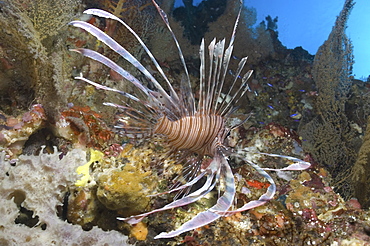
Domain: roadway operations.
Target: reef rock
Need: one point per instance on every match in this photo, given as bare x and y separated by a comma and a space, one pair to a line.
35, 186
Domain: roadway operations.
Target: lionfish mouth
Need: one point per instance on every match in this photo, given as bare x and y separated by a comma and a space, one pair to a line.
198, 127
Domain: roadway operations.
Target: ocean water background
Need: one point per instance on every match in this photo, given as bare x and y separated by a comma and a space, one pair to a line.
308, 24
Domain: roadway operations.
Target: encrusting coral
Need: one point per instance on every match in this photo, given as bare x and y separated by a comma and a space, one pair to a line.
38, 184
15, 131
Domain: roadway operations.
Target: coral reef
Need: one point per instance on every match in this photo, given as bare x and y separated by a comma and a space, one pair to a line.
38, 184
34, 34
360, 170
15, 131
126, 188
75, 197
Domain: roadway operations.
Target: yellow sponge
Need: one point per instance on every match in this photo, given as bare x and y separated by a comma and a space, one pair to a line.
95, 155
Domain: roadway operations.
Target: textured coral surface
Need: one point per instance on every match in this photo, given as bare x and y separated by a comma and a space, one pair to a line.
38, 184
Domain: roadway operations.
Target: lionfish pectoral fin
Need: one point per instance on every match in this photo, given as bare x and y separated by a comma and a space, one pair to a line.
267, 196
222, 205
188, 184
112, 65
298, 164
103, 87
202, 219
192, 197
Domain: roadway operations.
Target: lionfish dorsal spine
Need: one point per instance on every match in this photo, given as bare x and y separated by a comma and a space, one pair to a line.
186, 90
244, 86
201, 78
211, 48
231, 101
215, 77
225, 65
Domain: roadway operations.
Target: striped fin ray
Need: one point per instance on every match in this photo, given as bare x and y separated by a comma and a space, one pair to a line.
211, 99
211, 48
225, 66
271, 190
225, 62
235, 79
215, 77
148, 115
105, 14
223, 203
264, 198
240, 92
135, 123
138, 115
184, 186
111, 64
103, 87
103, 37
213, 173
298, 164
222, 109
185, 84
202, 98
192, 168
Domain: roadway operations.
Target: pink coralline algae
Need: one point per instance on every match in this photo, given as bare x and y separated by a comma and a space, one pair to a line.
15, 131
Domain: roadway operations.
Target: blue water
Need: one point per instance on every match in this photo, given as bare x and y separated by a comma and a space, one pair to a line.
307, 23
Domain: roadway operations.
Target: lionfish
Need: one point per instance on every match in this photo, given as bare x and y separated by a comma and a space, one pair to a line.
190, 125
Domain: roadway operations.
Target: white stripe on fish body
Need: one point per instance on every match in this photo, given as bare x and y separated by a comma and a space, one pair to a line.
200, 134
